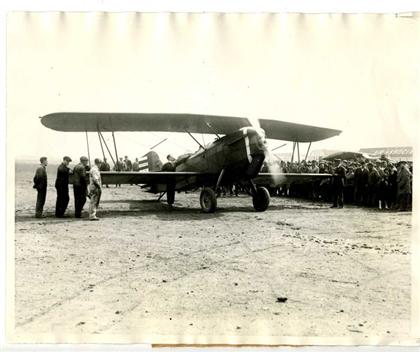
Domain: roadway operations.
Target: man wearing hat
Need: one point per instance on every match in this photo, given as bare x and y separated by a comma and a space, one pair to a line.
404, 186
169, 166
373, 182
338, 184
80, 186
62, 187
360, 183
40, 184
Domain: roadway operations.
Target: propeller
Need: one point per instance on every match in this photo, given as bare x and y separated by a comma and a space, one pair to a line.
270, 158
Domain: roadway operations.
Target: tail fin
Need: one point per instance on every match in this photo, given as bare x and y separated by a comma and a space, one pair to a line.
153, 161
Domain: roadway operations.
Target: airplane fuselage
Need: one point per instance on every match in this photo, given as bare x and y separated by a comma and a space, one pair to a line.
241, 154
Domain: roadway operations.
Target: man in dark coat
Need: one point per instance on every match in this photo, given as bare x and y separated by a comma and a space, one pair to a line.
80, 186
170, 166
373, 182
404, 186
105, 167
392, 185
62, 187
40, 184
360, 183
338, 184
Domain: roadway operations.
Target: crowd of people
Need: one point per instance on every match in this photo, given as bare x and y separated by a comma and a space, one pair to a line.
82, 188
381, 183
126, 165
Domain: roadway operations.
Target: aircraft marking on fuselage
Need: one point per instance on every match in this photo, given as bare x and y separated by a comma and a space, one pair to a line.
248, 149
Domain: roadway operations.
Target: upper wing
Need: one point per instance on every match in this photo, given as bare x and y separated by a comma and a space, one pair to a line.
277, 179
92, 122
288, 131
193, 123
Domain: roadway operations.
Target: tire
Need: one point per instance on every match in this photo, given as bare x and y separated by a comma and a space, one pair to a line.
208, 200
261, 200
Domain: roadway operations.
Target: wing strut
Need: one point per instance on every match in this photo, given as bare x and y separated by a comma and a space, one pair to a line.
298, 151
102, 147
88, 150
195, 139
307, 152
116, 152
106, 145
213, 130
293, 153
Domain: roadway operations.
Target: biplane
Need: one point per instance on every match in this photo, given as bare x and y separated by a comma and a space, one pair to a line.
235, 156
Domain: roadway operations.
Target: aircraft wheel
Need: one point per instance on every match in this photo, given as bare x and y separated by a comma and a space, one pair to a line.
208, 200
261, 199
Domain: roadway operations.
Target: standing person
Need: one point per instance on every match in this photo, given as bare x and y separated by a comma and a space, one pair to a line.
136, 165
392, 185
128, 164
404, 186
170, 187
324, 186
373, 181
119, 166
349, 185
95, 189
358, 187
383, 185
80, 186
338, 184
315, 167
40, 184
62, 187
364, 182
105, 167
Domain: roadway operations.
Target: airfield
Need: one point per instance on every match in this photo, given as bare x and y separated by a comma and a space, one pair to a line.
298, 269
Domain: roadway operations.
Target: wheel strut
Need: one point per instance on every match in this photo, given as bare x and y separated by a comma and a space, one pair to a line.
219, 179
253, 187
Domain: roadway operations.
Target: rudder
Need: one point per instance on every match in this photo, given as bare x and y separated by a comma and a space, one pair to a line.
153, 161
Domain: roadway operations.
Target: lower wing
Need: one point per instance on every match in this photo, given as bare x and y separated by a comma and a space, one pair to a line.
158, 181
277, 179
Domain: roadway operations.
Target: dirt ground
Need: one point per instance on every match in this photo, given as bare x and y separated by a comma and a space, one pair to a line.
298, 269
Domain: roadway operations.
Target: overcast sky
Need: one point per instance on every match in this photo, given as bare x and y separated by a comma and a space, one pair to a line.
357, 73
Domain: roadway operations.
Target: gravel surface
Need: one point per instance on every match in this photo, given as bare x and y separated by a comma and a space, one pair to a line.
298, 269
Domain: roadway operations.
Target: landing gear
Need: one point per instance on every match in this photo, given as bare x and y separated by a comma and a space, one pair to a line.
170, 196
208, 200
208, 196
260, 197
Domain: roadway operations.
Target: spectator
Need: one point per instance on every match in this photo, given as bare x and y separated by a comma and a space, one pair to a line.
404, 186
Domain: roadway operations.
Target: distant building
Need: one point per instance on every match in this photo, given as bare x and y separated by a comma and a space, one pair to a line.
392, 153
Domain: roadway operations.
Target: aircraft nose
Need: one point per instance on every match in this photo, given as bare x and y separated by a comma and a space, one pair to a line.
261, 140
